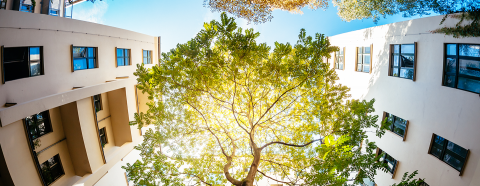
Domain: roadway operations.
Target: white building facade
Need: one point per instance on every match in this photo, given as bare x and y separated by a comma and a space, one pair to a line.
428, 85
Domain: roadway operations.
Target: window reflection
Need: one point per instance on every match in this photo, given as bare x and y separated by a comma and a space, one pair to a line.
462, 71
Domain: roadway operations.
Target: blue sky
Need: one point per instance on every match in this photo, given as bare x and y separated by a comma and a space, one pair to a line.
177, 21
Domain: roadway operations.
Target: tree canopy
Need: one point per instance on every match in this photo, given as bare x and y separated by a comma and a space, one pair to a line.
260, 11
227, 109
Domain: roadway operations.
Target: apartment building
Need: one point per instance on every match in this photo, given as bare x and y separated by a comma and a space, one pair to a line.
67, 94
428, 86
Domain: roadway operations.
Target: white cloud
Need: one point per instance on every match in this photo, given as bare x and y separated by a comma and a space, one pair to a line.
93, 13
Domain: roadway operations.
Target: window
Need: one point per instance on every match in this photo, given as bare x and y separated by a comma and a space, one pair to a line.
123, 57
26, 8
363, 59
3, 4
103, 136
448, 152
38, 124
403, 61
389, 161
97, 102
52, 169
396, 124
462, 67
54, 8
367, 182
84, 58
147, 57
339, 59
22, 62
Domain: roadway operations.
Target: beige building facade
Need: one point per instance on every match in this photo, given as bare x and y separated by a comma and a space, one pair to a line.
428, 86
67, 95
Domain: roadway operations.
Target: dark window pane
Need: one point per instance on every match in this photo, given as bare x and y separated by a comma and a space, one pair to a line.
400, 126
437, 152
127, 52
38, 124
451, 66
469, 50
449, 81
457, 149
79, 64
52, 169
127, 61
35, 68
452, 49
454, 162
470, 67
407, 61
468, 84
15, 63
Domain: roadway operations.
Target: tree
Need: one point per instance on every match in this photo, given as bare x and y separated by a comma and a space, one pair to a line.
227, 109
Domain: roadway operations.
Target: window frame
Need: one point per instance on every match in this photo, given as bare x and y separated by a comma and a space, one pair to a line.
3, 4
47, 123
356, 58
385, 116
457, 68
335, 59
59, 163
149, 57
41, 61
395, 165
124, 52
391, 58
442, 155
96, 65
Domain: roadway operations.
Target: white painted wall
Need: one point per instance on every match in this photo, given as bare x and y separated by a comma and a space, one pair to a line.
430, 107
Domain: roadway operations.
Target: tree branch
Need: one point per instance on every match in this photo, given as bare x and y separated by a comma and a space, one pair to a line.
288, 144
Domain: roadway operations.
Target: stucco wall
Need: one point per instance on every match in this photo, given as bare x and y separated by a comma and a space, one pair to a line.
429, 106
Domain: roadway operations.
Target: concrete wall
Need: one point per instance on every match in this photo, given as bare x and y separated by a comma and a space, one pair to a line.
429, 106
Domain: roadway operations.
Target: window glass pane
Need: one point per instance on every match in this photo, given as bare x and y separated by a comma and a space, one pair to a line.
396, 49
145, 53
436, 151
340, 66
410, 49
390, 162
360, 58
359, 67
119, 52
341, 51
366, 59
127, 52
360, 50
79, 64
468, 84
367, 50
395, 72
396, 60
470, 67
399, 126
35, 68
454, 162
407, 61
120, 61
451, 66
51, 169
34, 53
406, 73
127, 61
452, 49
366, 68
91, 63
469, 50
79, 52
145, 60
91, 52
449, 81
457, 149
